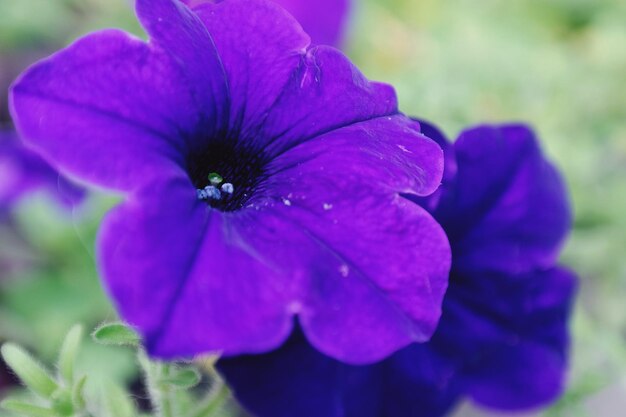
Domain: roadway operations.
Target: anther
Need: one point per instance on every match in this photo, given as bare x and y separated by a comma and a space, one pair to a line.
212, 192
228, 188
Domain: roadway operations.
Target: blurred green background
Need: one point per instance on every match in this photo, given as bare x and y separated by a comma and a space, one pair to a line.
558, 64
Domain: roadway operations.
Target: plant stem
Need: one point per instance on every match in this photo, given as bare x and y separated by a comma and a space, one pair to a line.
160, 396
213, 401
166, 394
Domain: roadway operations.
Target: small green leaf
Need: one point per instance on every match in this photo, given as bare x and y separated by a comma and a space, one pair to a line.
30, 372
62, 402
213, 402
116, 334
182, 378
78, 394
117, 402
27, 409
69, 351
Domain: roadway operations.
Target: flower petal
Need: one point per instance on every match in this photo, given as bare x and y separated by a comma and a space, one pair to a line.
260, 45
348, 202
324, 20
525, 365
195, 286
94, 107
325, 92
432, 201
306, 383
282, 92
23, 171
509, 359
179, 31
512, 217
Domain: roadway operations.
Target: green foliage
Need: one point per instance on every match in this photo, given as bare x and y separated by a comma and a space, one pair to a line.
68, 354
116, 334
27, 409
61, 397
168, 384
117, 402
181, 378
29, 370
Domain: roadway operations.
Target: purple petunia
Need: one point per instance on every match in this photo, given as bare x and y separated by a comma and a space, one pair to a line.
323, 20
264, 180
503, 337
23, 172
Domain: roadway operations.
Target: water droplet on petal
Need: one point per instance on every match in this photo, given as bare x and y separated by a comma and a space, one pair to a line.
286, 202
327, 206
344, 270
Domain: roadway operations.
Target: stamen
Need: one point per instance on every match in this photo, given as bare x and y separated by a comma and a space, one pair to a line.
228, 188
212, 192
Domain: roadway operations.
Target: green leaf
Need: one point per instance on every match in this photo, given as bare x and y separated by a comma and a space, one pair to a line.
116, 334
117, 402
27, 409
78, 396
211, 405
30, 372
62, 402
69, 351
182, 378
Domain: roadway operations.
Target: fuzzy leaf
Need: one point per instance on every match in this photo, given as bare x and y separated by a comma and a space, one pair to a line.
117, 402
116, 334
27, 409
69, 351
62, 403
182, 378
30, 372
78, 397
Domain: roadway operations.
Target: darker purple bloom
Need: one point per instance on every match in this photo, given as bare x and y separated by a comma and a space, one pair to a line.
503, 337
23, 172
264, 179
323, 20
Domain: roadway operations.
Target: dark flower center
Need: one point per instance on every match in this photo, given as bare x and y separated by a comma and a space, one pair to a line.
226, 173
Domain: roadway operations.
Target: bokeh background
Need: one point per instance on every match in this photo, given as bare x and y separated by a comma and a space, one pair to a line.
558, 64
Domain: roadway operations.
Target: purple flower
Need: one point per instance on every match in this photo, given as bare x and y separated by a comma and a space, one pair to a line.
23, 172
502, 339
315, 222
323, 20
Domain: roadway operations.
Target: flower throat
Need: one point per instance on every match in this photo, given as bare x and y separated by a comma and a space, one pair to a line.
226, 174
